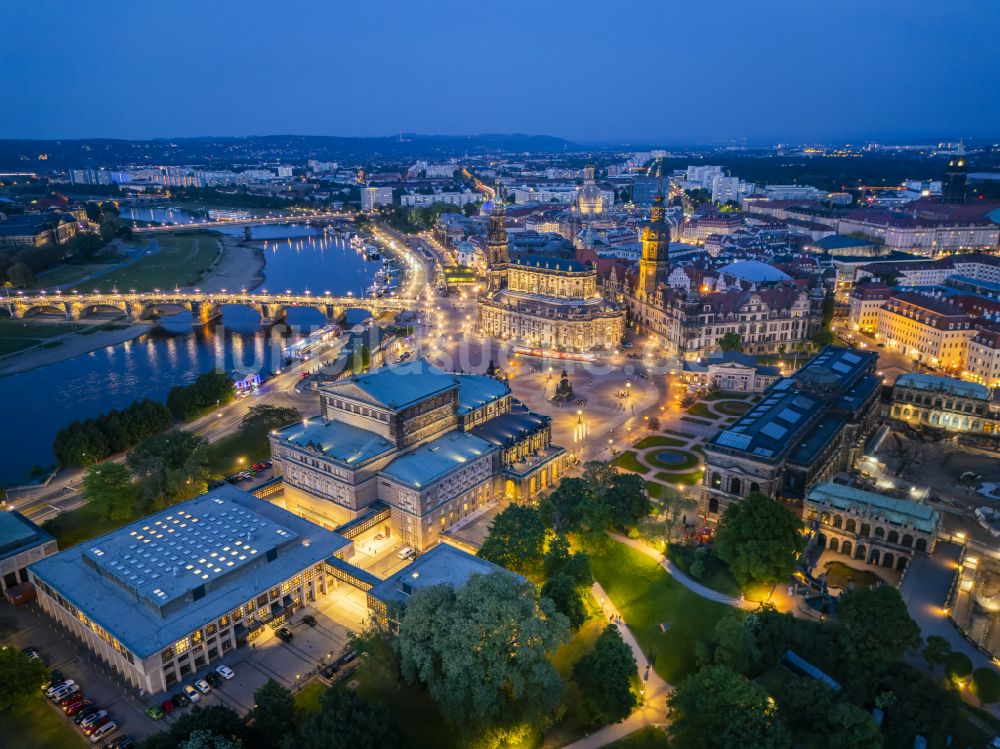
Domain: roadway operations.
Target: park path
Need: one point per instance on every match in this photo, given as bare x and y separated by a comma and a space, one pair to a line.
653, 710
672, 570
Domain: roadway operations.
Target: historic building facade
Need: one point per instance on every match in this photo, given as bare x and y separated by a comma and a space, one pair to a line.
544, 302
870, 527
945, 403
432, 446
807, 428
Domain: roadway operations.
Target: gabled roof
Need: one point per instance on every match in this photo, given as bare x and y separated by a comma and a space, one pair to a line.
396, 387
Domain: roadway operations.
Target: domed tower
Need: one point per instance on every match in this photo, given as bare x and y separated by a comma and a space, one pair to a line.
497, 252
589, 198
654, 265
953, 190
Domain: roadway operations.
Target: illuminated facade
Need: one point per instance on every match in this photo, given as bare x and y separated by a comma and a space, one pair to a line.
926, 329
982, 364
863, 304
589, 200
975, 605
944, 403
544, 302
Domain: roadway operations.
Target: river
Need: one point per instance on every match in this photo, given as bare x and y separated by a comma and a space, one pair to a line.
298, 258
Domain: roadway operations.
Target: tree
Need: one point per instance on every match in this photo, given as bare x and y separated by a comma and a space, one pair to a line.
986, 685
850, 727
109, 488
217, 720
561, 509
269, 417
516, 539
361, 360
627, 499
874, 628
736, 644
20, 677
565, 594
272, 714
482, 651
958, 667
202, 739
718, 707
560, 561
346, 721
759, 539
171, 465
19, 274
604, 677
731, 341
937, 649
804, 704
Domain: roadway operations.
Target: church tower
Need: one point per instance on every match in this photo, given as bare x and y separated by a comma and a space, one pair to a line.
497, 253
953, 190
654, 265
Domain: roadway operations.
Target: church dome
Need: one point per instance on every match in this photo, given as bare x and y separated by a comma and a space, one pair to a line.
486, 208
754, 271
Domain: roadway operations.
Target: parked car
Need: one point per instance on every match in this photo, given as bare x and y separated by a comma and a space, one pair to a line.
92, 720
86, 713
105, 730
69, 700
203, 686
213, 679
180, 699
407, 552
285, 634
63, 692
154, 712
122, 742
344, 659
225, 672
55, 678
56, 687
73, 706
309, 619
168, 706
75, 709
31, 653
259, 467
192, 693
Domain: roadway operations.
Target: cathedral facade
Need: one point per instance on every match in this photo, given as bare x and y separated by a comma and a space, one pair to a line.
544, 302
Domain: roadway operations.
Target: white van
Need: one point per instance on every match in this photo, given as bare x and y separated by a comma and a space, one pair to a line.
407, 552
105, 730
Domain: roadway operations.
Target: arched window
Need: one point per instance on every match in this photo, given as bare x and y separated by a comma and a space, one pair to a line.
716, 481
735, 486
713, 505
838, 521
888, 560
893, 537
921, 544
873, 557
834, 544
860, 552
845, 548
866, 529
754, 486
908, 541
824, 518
850, 526
879, 532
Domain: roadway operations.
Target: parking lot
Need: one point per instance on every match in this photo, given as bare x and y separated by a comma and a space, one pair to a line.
291, 664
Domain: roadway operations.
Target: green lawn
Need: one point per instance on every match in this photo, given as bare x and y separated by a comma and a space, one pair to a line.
689, 479
659, 491
648, 597
629, 462
179, 261
700, 409
307, 699
38, 725
716, 575
723, 396
649, 737
696, 420
250, 444
16, 335
658, 441
76, 526
732, 408
70, 273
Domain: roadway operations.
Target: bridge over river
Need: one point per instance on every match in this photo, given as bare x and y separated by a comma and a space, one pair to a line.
221, 223
203, 306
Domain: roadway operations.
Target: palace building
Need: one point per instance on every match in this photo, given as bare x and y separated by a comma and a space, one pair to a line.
420, 446
544, 302
945, 403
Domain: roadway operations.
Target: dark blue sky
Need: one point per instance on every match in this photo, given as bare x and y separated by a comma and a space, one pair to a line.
668, 71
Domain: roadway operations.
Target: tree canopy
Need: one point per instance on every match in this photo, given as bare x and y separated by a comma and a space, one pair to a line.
759, 539
20, 677
516, 539
272, 714
346, 721
875, 628
718, 707
482, 652
109, 488
565, 594
604, 677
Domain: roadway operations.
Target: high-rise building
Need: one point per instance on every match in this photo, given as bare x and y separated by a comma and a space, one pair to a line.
373, 197
953, 190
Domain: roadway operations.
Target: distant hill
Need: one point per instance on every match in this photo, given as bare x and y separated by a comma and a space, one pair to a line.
212, 152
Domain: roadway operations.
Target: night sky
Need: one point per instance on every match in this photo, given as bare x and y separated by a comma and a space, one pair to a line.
662, 71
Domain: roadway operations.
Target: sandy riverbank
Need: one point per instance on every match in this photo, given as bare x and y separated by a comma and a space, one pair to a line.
72, 344
240, 266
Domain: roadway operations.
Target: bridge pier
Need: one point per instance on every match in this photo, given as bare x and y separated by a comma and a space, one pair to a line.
202, 313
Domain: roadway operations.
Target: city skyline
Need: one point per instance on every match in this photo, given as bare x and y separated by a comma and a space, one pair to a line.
594, 76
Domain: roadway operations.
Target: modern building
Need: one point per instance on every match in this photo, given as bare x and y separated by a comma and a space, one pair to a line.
544, 302
21, 543
373, 197
945, 403
879, 530
432, 446
443, 565
161, 598
926, 329
451, 198
806, 428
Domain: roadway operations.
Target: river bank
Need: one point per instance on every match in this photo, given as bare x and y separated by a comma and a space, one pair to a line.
239, 266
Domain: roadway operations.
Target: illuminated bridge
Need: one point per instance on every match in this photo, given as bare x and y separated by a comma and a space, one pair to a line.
218, 224
204, 306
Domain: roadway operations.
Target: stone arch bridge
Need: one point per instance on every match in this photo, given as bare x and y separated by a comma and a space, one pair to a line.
203, 306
